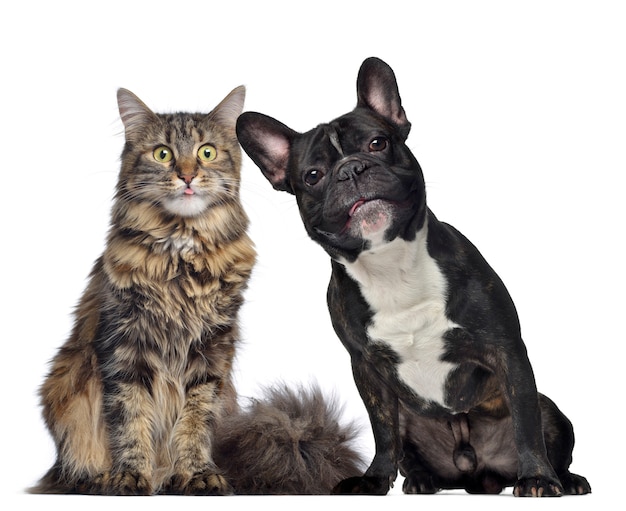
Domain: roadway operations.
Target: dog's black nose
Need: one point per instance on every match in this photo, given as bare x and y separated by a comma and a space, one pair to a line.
350, 169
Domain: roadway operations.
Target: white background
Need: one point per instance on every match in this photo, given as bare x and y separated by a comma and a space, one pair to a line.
519, 122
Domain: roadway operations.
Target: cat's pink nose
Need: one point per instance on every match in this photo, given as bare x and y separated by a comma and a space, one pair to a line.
187, 178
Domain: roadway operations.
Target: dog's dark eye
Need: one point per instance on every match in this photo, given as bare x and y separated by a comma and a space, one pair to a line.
378, 144
313, 176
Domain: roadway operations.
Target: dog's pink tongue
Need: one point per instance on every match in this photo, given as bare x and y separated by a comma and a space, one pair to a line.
356, 206
369, 217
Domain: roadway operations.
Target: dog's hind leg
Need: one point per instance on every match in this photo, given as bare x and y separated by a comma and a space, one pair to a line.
559, 438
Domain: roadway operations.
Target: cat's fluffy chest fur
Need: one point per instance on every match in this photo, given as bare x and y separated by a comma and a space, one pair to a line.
182, 279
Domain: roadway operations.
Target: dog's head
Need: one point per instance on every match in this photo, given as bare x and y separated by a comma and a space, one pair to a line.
356, 183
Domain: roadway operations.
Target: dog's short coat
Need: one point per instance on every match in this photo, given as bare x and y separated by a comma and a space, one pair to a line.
433, 334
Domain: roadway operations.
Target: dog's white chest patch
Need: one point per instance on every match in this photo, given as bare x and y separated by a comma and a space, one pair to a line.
407, 293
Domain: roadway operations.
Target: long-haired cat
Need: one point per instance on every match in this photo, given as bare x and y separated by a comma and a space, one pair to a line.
135, 396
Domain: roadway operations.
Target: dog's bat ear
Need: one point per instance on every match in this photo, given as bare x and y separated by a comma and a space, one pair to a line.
268, 143
377, 90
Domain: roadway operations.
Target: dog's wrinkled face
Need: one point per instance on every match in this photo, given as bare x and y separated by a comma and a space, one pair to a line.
356, 182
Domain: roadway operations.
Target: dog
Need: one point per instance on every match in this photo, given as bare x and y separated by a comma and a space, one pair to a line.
433, 335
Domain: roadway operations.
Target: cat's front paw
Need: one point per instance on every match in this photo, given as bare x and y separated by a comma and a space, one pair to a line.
207, 482
122, 483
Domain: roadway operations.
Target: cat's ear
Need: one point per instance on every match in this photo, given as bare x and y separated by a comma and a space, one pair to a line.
230, 108
268, 142
377, 90
134, 113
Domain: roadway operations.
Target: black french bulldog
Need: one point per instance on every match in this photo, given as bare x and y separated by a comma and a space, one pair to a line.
432, 332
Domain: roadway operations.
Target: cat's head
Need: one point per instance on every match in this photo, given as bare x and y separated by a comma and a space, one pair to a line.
182, 163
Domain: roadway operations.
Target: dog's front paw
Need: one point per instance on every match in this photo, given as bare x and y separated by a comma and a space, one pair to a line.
419, 482
538, 486
364, 485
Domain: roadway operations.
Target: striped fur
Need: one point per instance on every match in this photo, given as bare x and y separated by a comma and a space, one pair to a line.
134, 395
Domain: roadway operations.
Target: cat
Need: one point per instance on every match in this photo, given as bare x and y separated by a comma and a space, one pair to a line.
138, 395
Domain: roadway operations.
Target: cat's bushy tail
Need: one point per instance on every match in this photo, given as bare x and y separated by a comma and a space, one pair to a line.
289, 442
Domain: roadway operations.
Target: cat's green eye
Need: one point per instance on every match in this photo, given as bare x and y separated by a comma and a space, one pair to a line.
207, 152
163, 154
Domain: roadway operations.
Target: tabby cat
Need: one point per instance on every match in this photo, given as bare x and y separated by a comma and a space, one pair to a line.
135, 396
